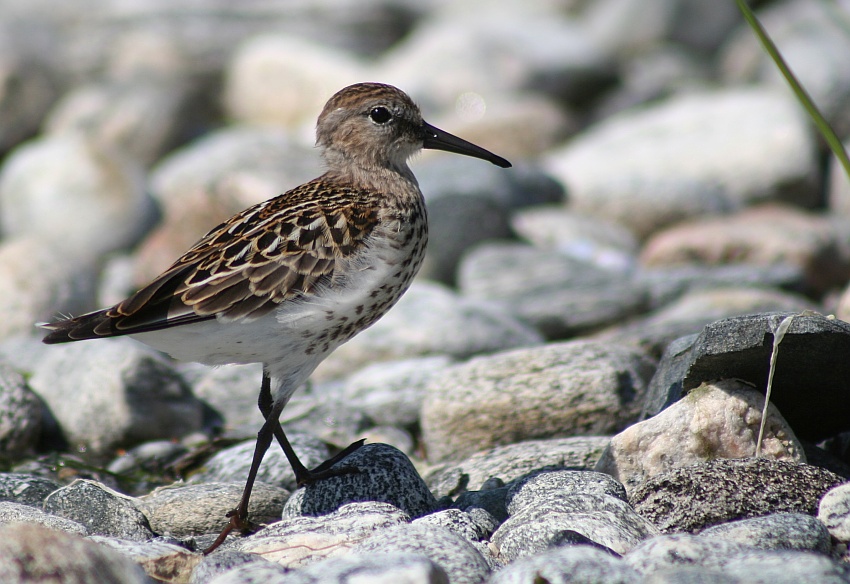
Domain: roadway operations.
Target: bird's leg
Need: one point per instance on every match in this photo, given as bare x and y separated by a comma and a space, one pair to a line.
239, 516
303, 476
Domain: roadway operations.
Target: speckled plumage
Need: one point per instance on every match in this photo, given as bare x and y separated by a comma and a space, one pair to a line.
288, 280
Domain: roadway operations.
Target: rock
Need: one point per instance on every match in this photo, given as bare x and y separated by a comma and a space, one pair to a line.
461, 561
20, 415
100, 509
260, 572
711, 152
702, 495
232, 391
531, 394
668, 551
185, 511
39, 281
25, 488
299, 541
164, 562
696, 309
31, 553
558, 294
715, 420
546, 506
230, 561
834, 512
382, 568
811, 40
456, 327
232, 464
70, 191
114, 392
600, 243
11, 513
391, 393
780, 531
740, 347
786, 567
384, 475
457, 521
139, 119
567, 564
764, 235
284, 80
512, 461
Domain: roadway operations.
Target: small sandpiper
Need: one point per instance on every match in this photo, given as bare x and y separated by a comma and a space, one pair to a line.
286, 281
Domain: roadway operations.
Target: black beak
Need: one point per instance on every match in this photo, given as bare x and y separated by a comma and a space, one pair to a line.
436, 139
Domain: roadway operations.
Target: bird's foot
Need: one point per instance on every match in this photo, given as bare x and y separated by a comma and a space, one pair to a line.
238, 521
325, 470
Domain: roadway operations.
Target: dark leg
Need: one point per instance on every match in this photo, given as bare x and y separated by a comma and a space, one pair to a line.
303, 476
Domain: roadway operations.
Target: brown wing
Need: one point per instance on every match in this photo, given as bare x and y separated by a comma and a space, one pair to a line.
279, 250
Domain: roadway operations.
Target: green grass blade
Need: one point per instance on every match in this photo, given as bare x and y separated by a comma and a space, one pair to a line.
802, 95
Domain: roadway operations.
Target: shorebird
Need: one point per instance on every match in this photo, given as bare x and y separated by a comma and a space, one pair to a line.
285, 282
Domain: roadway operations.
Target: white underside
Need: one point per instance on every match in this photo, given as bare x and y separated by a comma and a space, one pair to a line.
276, 339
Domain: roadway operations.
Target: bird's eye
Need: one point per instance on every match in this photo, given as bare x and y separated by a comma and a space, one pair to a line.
380, 115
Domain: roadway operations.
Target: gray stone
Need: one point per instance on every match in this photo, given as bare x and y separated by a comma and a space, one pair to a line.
786, 567
100, 509
139, 119
384, 474
512, 461
780, 531
260, 572
25, 488
563, 389
379, 568
37, 281
74, 193
708, 154
232, 391
740, 348
391, 393
560, 295
165, 562
455, 327
834, 512
696, 309
224, 561
555, 485
702, 495
601, 243
31, 553
20, 415
459, 558
232, 464
299, 541
184, 511
716, 420
687, 574
113, 393
152, 457
460, 522
568, 565
666, 551
20, 513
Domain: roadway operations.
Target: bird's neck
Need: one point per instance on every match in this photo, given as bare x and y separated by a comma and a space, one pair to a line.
391, 177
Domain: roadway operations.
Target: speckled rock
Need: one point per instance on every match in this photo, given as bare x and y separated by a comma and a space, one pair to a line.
384, 475
25, 488
300, 541
834, 512
780, 531
571, 564
699, 496
459, 558
564, 389
100, 509
31, 553
715, 420
20, 414
19, 513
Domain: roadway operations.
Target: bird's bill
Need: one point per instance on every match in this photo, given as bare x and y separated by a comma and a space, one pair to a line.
437, 139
